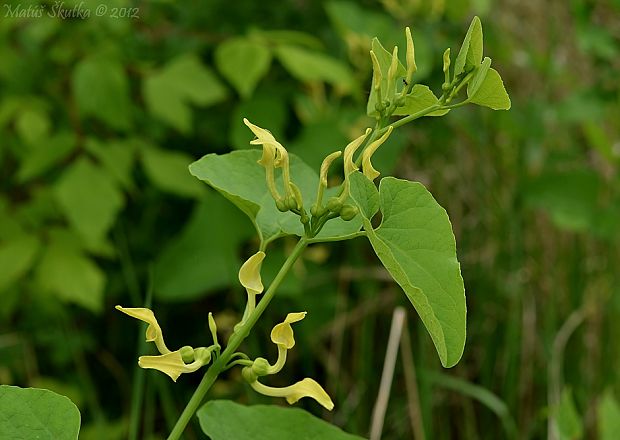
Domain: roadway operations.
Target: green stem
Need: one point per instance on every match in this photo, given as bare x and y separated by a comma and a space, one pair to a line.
236, 339
416, 115
340, 238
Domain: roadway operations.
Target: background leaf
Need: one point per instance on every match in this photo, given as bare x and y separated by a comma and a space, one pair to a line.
568, 420
183, 81
243, 62
168, 171
195, 263
608, 417
226, 420
90, 199
32, 413
69, 275
307, 65
101, 90
16, 257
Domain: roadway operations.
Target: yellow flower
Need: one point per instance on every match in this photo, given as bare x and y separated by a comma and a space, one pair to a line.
349, 151
411, 66
392, 73
171, 364
282, 334
304, 388
377, 75
369, 170
249, 274
153, 331
274, 156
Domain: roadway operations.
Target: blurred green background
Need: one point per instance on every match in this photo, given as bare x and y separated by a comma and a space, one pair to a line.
100, 117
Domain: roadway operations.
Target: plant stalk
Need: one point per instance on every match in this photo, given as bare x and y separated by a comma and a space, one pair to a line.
235, 341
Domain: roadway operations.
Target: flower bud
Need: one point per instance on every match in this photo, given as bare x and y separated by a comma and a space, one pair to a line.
348, 212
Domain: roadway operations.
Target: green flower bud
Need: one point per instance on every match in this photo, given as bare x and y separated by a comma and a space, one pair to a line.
203, 354
282, 205
348, 212
187, 354
248, 375
291, 203
260, 367
334, 204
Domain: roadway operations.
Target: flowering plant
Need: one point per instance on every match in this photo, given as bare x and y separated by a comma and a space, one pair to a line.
283, 196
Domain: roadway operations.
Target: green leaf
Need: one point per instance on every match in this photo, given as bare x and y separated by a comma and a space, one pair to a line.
90, 199
365, 195
470, 54
243, 62
33, 413
184, 81
226, 420
64, 271
241, 180
101, 90
116, 157
16, 258
385, 60
481, 73
568, 197
195, 262
568, 420
420, 98
608, 417
32, 126
416, 245
46, 155
492, 92
307, 65
265, 109
167, 169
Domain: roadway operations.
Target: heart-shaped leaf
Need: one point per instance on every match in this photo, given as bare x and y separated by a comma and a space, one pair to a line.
239, 177
33, 413
226, 420
416, 245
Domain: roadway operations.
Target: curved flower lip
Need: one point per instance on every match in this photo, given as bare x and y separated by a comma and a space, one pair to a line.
309, 388
369, 170
249, 274
349, 151
171, 364
304, 388
153, 331
282, 334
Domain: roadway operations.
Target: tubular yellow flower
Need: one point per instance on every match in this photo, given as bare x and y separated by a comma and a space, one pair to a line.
249, 274
171, 364
377, 75
274, 156
282, 334
349, 151
411, 66
304, 388
327, 162
323, 180
153, 331
392, 73
369, 170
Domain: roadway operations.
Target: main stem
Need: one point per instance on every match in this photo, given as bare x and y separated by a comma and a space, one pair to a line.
235, 341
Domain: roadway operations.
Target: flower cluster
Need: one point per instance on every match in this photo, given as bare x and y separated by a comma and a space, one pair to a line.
173, 363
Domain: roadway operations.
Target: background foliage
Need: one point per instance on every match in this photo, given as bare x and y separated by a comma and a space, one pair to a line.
100, 117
